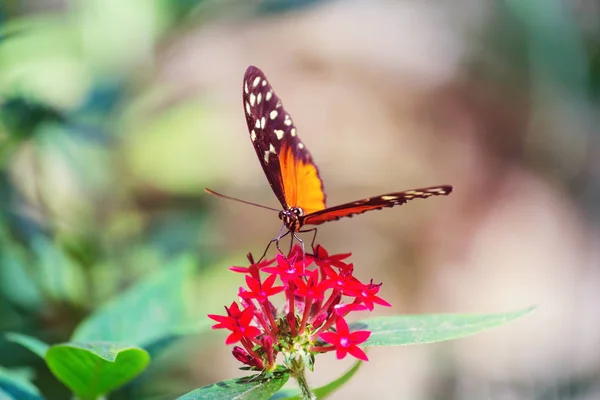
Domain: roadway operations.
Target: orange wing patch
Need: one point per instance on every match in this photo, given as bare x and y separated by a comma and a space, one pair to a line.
301, 182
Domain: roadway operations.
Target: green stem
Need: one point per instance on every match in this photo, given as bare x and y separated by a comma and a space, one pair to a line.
298, 374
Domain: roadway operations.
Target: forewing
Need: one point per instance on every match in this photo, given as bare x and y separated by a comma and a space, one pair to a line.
287, 164
373, 203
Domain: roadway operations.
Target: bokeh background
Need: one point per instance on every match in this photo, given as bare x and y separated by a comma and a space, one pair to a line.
116, 114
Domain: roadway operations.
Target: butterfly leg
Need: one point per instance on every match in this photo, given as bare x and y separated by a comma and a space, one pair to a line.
294, 236
276, 241
312, 242
299, 241
291, 244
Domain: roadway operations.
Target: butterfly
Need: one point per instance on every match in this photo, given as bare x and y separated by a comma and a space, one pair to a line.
290, 169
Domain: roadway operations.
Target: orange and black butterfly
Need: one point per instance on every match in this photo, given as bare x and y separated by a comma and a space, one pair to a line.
290, 169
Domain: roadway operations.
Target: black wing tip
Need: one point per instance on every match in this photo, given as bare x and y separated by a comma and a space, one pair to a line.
252, 70
447, 188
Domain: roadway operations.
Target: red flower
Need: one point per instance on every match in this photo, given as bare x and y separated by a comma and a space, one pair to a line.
311, 288
343, 309
242, 355
367, 294
238, 322
324, 260
315, 301
344, 280
261, 291
345, 341
254, 268
288, 269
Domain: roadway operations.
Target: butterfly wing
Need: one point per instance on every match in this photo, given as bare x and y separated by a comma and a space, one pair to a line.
287, 164
373, 203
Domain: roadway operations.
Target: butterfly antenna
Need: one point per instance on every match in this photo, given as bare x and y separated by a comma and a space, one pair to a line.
238, 200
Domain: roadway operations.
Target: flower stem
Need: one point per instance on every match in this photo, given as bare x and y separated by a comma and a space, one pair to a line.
298, 374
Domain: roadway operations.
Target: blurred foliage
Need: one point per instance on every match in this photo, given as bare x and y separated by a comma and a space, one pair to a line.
96, 190
77, 225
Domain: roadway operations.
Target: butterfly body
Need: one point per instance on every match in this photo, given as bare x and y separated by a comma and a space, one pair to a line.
289, 168
292, 218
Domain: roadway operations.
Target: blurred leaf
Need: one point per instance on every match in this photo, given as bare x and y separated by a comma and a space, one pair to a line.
35, 345
15, 281
14, 386
277, 6
249, 388
154, 309
59, 276
35, 60
321, 392
21, 117
555, 46
119, 36
414, 329
5, 396
161, 144
95, 368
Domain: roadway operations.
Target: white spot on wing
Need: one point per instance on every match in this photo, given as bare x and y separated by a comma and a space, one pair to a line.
253, 135
252, 99
263, 121
300, 145
386, 198
438, 190
258, 98
257, 124
293, 131
272, 148
256, 82
264, 82
287, 121
248, 108
246, 87
279, 133
266, 157
273, 114
269, 95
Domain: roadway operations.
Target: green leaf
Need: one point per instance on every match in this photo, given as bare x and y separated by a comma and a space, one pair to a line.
93, 369
151, 311
5, 395
321, 392
414, 329
14, 386
16, 281
255, 387
88, 369
35, 345
59, 276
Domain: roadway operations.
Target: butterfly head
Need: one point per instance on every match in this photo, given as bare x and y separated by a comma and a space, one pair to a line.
291, 217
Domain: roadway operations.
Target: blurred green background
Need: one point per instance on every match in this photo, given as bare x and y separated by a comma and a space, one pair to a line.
116, 114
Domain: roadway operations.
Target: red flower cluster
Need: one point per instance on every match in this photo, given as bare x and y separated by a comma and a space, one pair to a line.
316, 299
